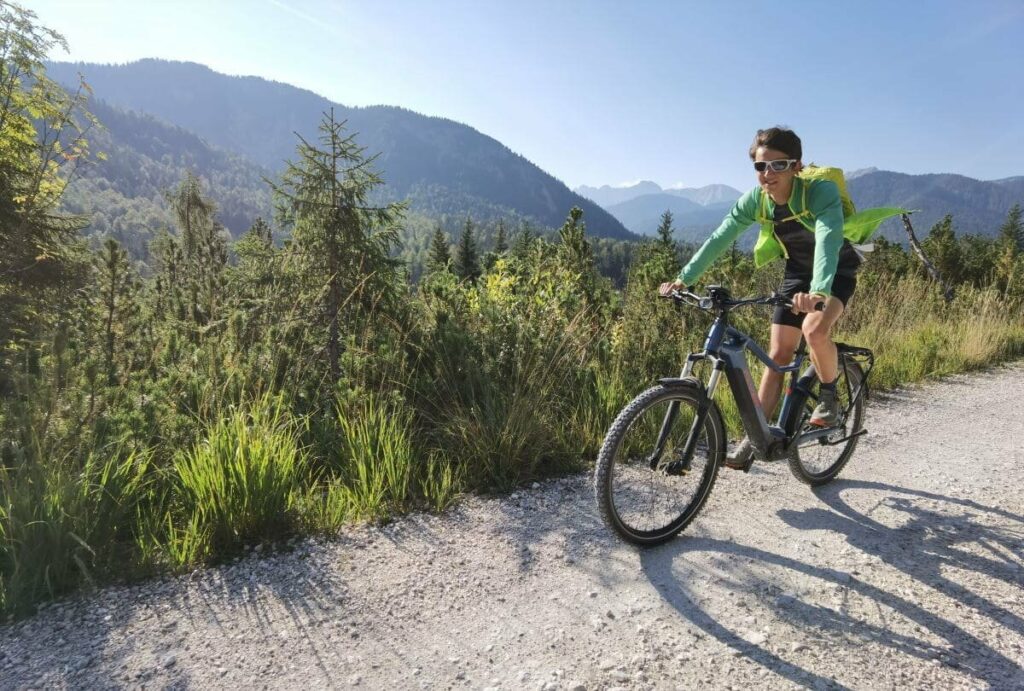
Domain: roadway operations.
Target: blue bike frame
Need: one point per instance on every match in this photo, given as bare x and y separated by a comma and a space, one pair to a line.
726, 347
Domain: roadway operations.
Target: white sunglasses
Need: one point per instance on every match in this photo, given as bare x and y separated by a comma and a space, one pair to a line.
777, 165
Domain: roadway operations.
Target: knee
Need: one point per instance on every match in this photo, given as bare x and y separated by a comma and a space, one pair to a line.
816, 332
781, 356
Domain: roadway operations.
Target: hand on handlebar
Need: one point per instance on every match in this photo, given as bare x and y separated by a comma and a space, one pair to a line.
665, 289
808, 302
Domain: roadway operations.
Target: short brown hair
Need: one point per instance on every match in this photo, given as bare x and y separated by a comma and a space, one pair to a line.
779, 138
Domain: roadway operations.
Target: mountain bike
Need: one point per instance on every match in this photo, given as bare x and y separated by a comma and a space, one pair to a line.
660, 458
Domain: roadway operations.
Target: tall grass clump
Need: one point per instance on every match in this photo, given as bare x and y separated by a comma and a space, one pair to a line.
240, 484
505, 364
374, 465
441, 481
65, 521
375, 457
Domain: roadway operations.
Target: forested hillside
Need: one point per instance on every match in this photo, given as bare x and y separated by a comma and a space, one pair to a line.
124, 196
440, 166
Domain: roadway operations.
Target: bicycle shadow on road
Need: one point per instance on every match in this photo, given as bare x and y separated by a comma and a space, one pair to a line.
922, 552
935, 538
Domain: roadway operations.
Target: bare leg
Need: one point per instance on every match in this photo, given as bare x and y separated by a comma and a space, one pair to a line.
817, 330
784, 341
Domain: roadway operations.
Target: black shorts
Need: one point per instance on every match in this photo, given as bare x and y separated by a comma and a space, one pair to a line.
842, 289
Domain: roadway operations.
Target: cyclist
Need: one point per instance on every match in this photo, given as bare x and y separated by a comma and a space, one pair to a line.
821, 266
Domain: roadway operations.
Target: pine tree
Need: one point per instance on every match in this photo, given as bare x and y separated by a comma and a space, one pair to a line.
42, 140
574, 248
255, 285
576, 254
1012, 229
1009, 243
168, 296
467, 260
942, 248
523, 242
203, 250
666, 232
194, 214
500, 246
261, 231
439, 258
501, 239
341, 242
118, 287
666, 248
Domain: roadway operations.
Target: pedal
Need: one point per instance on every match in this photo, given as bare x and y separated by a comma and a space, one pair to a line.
858, 433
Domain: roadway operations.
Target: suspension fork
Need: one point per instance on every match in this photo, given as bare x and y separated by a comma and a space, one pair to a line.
683, 464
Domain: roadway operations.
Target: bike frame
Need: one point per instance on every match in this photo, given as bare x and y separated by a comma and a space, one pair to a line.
725, 348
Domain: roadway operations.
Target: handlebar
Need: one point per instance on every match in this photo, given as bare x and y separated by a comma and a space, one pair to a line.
711, 300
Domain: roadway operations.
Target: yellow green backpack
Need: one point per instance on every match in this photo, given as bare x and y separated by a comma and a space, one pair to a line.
813, 172
858, 226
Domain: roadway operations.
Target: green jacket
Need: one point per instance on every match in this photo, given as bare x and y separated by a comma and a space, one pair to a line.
817, 205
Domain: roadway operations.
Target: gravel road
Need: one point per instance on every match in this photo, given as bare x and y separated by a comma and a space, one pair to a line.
905, 572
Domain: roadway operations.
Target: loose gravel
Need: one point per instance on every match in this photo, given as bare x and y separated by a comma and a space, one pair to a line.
904, 573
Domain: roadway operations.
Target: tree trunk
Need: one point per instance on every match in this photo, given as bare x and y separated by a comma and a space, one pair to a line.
947, 290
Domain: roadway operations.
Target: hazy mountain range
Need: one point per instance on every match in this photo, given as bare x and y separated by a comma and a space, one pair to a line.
978, 206
606, 195
440, 166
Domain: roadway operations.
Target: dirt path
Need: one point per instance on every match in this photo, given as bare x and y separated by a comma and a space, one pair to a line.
905, 572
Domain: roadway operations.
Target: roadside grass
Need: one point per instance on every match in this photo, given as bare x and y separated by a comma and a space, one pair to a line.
237, 486
69, 520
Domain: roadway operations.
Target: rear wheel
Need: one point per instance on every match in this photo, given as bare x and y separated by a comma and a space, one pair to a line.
648, 498
817, 461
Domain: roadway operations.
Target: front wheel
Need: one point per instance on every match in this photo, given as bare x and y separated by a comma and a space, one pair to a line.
645, 487
817, 461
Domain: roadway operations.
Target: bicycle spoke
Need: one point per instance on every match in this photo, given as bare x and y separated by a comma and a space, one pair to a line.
814, 460
648, 503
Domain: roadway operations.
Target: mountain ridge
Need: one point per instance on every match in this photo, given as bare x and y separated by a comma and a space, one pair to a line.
978, 207
441, 165
609, 195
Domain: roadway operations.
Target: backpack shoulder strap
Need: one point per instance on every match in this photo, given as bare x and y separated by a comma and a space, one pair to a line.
762, 207
805, 215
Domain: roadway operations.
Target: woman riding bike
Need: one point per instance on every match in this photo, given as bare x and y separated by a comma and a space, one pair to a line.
821, 266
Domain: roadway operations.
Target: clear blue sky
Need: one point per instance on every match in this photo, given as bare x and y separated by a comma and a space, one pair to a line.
608, 92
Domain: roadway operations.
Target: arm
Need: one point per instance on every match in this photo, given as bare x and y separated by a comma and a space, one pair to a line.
823, 200
741, 217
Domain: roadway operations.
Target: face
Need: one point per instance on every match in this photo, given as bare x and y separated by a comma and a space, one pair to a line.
776, 183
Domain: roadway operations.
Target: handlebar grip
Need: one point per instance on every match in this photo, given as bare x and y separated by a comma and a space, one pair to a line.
819, 306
